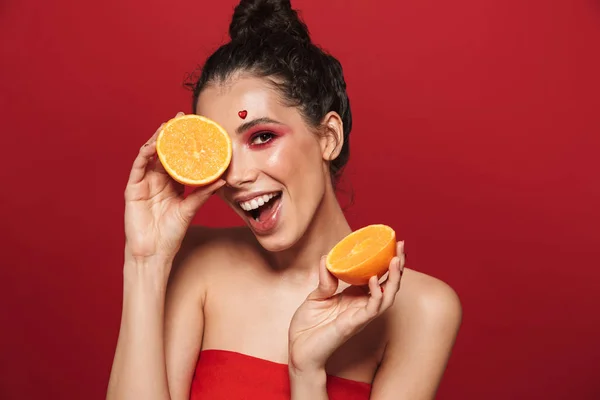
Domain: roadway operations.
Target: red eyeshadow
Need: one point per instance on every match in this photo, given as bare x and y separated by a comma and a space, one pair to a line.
278, 130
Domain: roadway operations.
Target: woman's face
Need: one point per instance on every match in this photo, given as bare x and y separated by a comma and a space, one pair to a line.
278, 172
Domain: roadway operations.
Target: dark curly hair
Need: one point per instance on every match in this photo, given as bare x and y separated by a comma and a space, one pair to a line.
269, 40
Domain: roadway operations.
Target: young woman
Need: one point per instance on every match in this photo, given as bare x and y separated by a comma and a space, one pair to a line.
252, 312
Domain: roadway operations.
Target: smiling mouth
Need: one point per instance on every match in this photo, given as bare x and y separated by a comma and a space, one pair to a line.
260, 206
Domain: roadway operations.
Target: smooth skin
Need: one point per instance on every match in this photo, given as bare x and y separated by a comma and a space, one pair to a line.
273, 286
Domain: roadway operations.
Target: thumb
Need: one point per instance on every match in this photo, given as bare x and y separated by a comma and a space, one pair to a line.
191, 204
328, 283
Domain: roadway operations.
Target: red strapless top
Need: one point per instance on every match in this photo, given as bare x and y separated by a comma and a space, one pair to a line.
228, 375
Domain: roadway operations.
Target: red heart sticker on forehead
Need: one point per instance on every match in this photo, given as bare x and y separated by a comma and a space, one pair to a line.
243, 114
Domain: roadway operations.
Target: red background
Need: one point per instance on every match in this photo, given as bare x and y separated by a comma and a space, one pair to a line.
476, 137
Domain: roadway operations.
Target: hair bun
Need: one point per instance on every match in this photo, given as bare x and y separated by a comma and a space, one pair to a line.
264, 17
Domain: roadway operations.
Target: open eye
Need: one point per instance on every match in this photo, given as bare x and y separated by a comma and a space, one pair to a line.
262, 138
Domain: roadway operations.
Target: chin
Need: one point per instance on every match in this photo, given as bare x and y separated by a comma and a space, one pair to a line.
276, 241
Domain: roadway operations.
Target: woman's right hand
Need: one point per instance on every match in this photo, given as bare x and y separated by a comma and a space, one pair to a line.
157, 215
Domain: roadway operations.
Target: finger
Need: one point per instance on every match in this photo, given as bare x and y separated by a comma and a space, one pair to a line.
155, 135
391, 287
145, 156
400, 247
191, 204
401, 253
138, 169
375, 299
392, 265
328, 283
158, 166
384, 278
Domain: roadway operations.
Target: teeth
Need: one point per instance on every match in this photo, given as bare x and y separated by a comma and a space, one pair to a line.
256, 202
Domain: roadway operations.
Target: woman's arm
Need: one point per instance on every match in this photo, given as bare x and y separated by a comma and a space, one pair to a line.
157, 217
424, 326
161, 330
139, 369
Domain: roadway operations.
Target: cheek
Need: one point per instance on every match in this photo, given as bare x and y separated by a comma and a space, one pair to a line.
296, 160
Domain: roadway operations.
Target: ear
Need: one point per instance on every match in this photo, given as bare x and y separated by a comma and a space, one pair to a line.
332, 138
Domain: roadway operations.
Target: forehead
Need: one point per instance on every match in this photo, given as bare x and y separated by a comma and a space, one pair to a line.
223, 101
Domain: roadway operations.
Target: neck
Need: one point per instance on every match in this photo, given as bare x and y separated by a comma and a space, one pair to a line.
327, 228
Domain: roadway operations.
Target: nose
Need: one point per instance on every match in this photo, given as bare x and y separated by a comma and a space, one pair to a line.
242, 170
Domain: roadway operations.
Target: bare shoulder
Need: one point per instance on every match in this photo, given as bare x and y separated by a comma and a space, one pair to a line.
428, 300
427, 312
205, 250
201, 241
422, 328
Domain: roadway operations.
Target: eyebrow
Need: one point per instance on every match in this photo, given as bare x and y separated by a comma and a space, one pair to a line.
251, 124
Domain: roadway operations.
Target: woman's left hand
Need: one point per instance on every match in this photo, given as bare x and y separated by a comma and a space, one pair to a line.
326, 320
